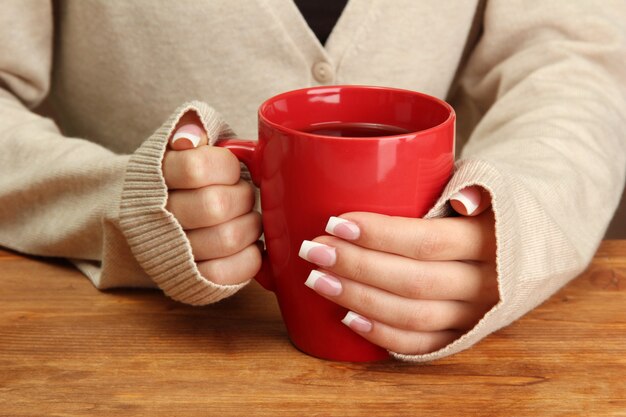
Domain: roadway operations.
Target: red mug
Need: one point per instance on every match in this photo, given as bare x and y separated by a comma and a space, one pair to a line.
305, 176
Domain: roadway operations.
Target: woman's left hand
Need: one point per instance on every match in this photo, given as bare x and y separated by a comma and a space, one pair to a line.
411, 285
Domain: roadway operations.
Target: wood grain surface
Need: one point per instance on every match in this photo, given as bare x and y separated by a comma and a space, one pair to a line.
67, 349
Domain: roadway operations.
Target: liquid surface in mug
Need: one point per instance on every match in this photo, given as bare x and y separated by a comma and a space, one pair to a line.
354, 130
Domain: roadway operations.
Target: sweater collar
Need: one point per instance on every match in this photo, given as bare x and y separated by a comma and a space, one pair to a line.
351, 23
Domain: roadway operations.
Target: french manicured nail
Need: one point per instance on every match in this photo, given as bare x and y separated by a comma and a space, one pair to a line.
343, 228
318, 253
191, 132
469, 198
323, 284
357, 323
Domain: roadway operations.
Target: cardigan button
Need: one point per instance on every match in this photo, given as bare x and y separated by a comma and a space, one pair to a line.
323, 72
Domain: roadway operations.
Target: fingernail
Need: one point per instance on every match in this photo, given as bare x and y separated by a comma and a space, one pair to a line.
190, 132
318, 253
342, 228
323, 284
357, 323
469, 198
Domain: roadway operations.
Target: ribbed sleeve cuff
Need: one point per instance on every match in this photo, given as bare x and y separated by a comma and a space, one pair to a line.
155, 237
477, 172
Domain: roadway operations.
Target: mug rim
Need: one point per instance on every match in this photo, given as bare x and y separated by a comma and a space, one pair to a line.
450, 119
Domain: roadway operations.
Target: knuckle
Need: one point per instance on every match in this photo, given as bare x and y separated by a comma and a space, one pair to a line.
216, 203
387, 238
231, 238
352, 261
365, 298
422, 316
419, 285
407, 321
416, 318
414, 288
193, 168
226, 161
231, 161
359, 267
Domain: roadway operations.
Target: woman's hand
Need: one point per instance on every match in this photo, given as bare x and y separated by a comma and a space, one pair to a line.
412, 285
212, 204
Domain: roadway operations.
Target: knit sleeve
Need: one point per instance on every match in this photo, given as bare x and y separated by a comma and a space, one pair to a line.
543, 102
68, 197
155, 237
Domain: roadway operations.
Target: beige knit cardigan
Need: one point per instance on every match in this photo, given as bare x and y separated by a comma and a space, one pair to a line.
539, 87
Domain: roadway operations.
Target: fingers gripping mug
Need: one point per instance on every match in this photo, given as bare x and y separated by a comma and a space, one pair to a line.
325, 151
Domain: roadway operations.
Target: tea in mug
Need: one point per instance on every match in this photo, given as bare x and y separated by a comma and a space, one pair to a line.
354, 130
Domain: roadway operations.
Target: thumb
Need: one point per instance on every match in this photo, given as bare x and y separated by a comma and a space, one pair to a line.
471, 201
188, 133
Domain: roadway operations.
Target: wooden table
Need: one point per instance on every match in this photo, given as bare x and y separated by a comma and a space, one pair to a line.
67, 349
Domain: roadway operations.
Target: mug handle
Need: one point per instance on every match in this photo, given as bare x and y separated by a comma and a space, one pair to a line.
247, 151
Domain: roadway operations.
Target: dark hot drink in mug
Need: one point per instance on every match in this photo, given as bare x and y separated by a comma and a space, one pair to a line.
324, 151
354, 130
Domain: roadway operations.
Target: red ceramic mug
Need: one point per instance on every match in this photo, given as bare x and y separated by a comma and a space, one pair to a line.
306, 174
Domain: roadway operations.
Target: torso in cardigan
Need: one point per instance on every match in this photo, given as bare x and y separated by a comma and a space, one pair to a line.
120, 68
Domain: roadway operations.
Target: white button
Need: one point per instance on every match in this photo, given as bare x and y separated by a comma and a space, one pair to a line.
323, 72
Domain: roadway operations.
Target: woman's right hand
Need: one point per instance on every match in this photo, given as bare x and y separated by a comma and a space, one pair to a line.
212, 204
